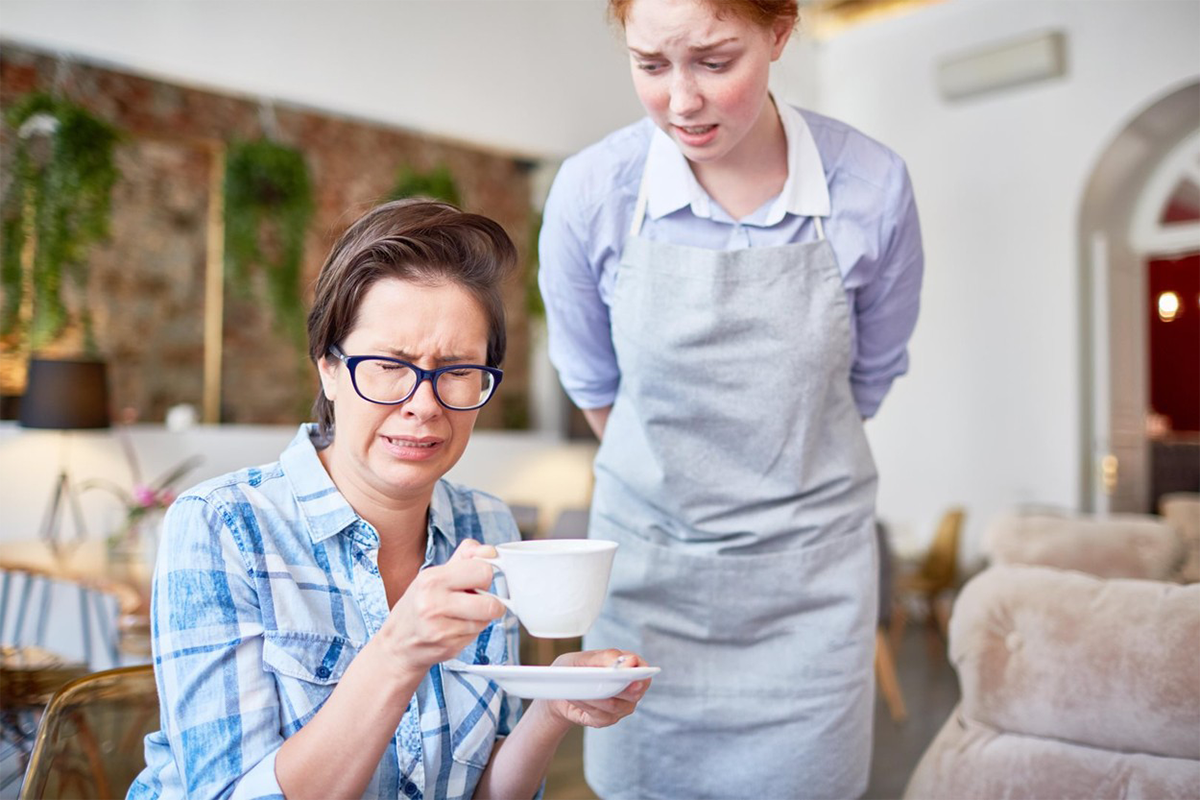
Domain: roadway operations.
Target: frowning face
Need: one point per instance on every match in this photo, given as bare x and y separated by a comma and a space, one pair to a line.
702, 79
398, 452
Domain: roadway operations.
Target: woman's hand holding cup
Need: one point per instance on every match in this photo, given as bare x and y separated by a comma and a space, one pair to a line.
440, 612
599, 713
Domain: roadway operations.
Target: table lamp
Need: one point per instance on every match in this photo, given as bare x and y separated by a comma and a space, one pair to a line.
64, 395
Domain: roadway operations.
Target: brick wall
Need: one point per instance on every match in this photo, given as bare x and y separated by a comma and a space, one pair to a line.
146, 284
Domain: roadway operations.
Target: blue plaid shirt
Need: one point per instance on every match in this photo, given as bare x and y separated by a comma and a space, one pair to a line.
266, 588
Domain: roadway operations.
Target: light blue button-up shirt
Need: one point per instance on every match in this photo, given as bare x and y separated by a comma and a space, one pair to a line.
859, 187
266, 588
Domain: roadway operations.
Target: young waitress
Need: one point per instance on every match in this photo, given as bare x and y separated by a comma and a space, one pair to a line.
731, 284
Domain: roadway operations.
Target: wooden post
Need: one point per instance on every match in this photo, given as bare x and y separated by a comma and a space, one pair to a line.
214, 287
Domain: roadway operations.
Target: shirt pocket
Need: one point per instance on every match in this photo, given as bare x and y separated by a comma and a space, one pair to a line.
307, 667
474, 704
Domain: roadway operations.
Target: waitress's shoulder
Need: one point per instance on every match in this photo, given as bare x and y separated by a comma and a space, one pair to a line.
847, 150
613, 164
474, 514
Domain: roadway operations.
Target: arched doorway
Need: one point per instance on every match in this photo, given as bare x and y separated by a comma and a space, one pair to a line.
1125, 225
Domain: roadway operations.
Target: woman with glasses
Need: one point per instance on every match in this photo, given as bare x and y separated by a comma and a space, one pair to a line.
304, 611
730, 286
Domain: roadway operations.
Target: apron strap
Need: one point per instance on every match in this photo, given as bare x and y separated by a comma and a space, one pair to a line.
820, 229
639, 210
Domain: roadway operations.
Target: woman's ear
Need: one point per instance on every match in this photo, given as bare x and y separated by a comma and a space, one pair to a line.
327, 368
781, 32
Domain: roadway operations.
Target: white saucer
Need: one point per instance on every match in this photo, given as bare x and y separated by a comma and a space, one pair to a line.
559, 683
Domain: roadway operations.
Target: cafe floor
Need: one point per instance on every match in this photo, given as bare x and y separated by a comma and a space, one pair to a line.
930, 690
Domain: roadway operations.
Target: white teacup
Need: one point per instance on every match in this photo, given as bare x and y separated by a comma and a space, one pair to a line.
555, 586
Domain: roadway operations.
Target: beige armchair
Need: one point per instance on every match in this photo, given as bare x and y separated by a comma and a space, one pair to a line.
1072, 687
1181, 510
1109, 546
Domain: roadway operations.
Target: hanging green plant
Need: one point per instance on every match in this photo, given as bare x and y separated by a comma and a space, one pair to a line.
268, 203
58, 203
438, 183
533, 293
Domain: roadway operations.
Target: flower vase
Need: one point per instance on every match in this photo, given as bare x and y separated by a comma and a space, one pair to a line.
133, 549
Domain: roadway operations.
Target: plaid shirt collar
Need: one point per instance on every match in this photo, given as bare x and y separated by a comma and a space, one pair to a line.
326, 512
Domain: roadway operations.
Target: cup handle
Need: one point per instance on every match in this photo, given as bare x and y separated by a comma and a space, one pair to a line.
504, 601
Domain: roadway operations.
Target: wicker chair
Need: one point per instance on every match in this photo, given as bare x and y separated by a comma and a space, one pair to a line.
89, 743
935, 576
85, 617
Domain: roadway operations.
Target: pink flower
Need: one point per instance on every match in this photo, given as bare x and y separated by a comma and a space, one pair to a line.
144, 496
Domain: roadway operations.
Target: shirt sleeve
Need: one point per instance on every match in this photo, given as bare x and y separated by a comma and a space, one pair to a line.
886, 307
577, 318
220, 709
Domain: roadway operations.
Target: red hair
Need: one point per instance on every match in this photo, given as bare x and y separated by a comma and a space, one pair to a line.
763, 13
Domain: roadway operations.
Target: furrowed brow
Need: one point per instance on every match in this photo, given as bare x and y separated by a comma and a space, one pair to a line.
644, 54
696, 48
704, 48
404, 355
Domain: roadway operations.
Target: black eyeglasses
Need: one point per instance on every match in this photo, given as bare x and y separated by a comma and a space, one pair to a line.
390, 381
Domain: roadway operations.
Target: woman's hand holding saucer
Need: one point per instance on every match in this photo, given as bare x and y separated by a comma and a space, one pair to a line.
600, 713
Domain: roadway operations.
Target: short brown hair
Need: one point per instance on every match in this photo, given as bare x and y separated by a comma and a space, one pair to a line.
417, 240
763, 13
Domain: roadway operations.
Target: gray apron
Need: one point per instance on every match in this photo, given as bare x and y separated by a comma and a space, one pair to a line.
736, 476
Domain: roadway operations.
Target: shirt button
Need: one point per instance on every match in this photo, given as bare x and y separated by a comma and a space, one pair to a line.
410, 789
322, 671
482, 660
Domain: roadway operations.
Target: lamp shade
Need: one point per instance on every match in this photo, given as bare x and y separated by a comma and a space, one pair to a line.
65, 395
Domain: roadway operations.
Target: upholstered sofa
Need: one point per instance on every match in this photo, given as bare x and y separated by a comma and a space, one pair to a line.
1073, 686
1181, 510
1108, 546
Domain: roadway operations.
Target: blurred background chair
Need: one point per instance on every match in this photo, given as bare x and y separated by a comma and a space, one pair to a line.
1110, 710
1181, 510
885, 654
526, 517
1142, 546
1073, 686
925, 587
54, 628
89, 744
571, 523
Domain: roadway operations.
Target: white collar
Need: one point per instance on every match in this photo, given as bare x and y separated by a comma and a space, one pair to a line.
672, 186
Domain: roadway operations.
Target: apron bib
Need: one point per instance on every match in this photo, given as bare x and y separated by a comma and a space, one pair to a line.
735, 474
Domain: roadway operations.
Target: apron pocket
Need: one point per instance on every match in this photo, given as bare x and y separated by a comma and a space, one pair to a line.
790, 623
716, 747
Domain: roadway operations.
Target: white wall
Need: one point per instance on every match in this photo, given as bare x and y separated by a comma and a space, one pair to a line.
536, 77
989, 414
518, 467
523, 468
